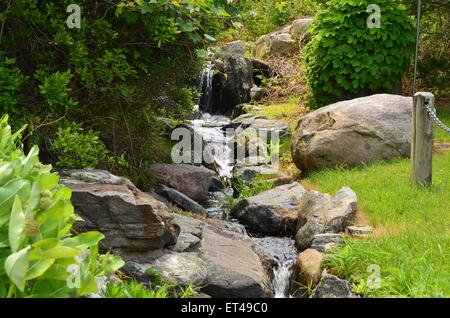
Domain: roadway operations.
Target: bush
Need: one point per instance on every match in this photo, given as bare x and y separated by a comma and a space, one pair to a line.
77, 149
108, 73
36, 216
346, 58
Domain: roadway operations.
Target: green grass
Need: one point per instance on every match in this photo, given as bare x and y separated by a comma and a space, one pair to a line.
413, 250
440, 135
288, 111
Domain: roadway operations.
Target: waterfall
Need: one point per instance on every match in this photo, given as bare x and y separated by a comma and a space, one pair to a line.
221, 147
285, 253
281, 280
205, 87
209, 126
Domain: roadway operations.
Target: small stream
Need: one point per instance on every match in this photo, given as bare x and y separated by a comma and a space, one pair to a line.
211, 127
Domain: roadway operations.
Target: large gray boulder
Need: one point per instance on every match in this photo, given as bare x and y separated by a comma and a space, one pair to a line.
265, 213
322, 213
284, 41
224, 263
354, 132
190, 180
129, 218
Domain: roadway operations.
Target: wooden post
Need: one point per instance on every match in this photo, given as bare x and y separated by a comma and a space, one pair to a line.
422, 140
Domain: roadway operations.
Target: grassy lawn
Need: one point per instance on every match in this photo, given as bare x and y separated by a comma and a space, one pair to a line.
439, 134
411, 243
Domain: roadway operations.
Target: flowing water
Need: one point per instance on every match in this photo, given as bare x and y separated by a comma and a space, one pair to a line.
211, 127
285, 253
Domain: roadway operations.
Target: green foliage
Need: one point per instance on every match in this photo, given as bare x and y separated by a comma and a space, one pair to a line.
158, 288
440, 135
11, 80
346, 58
249, 189
55, 92
79, 149
36, 216
407, 268
108, 72
258, 17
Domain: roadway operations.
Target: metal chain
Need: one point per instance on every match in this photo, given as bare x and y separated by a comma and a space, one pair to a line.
433, 116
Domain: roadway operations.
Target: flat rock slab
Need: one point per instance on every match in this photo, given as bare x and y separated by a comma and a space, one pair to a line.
324, 242
190, 180
359, 230
354, 132
224, 263
129, 218
262, 213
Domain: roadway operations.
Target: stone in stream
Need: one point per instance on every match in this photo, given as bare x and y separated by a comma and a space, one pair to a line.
249, 121
216, 185
263, 213
190, 180
354, 132
224, 263
129, 218
248, 173
321, 212
308, 268
251, 161
202, 155
180, 200
331, 286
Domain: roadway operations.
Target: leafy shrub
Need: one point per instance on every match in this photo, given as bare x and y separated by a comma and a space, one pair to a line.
346, 58
79, 149
36, 216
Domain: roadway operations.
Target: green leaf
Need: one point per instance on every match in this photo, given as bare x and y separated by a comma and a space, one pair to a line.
58, 251
38, 268
209, 37
47, 181
84, 240
16, 234
16, 267
10, 190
